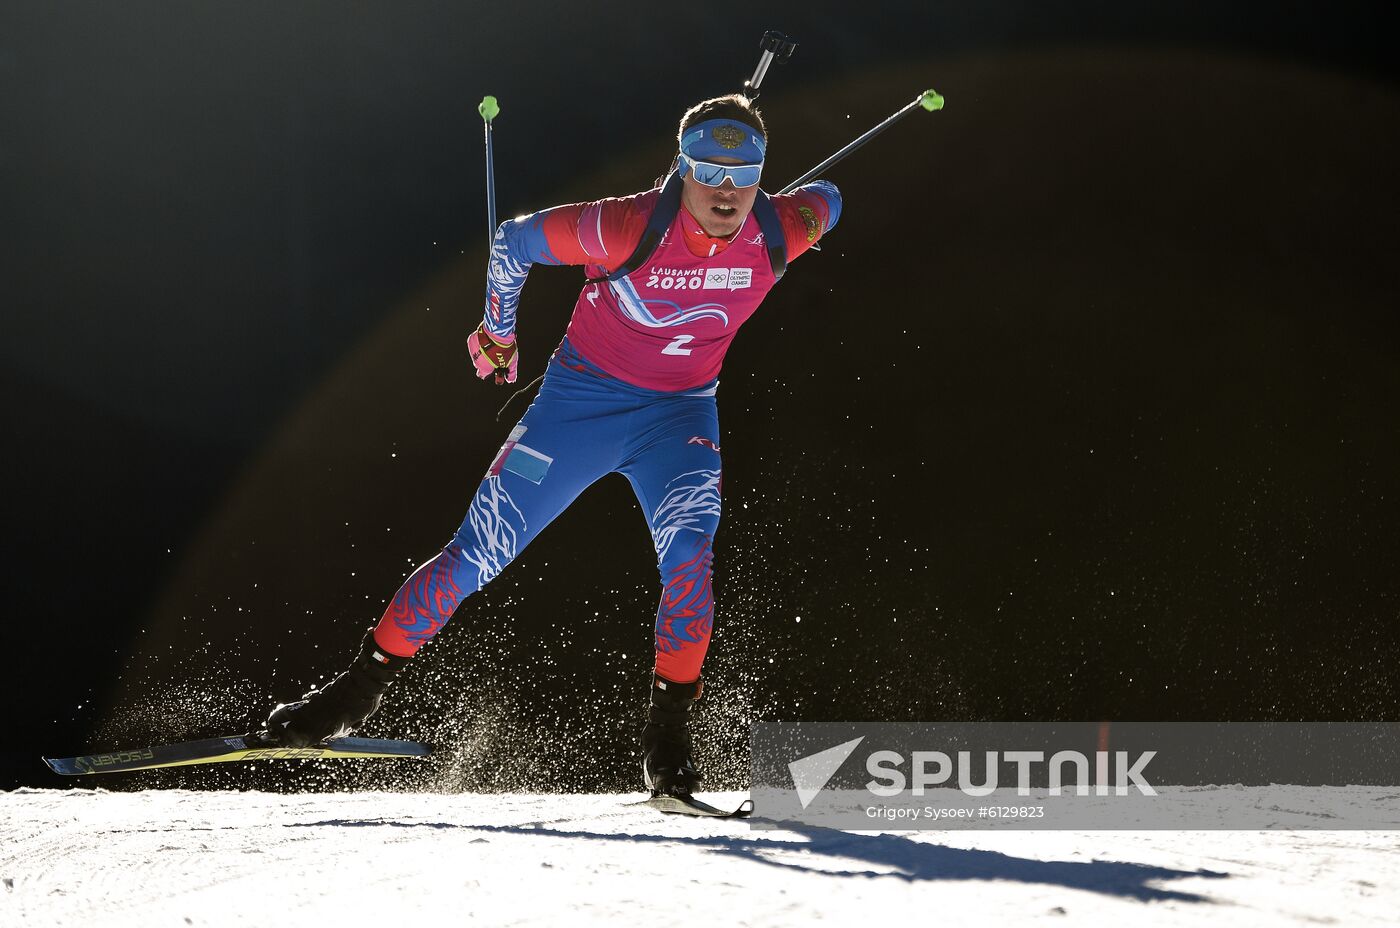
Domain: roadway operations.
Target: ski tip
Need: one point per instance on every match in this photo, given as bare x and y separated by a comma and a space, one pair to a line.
69, 766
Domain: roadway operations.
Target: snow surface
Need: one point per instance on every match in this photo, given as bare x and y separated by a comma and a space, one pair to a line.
177, 857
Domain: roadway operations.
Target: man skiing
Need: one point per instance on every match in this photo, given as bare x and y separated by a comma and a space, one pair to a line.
673, 273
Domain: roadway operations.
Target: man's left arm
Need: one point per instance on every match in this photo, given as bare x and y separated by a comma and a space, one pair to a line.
808, 213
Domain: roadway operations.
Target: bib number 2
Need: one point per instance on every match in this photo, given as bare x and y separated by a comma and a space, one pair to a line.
676, 346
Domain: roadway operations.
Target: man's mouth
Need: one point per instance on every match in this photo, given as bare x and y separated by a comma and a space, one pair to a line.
725, 211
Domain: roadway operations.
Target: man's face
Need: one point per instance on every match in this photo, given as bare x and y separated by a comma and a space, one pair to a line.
720, 210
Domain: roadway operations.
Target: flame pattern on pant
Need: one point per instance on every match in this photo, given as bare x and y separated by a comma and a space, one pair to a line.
584, 426
427, 600
488, 540
683, 529
691, 502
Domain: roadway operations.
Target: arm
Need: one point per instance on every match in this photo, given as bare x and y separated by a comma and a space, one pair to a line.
599, 234
808, 213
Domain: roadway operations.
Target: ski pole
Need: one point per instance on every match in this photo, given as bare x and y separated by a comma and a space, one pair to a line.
488, 110
930, 100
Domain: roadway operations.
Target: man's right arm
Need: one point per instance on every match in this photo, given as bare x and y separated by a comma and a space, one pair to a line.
601, 234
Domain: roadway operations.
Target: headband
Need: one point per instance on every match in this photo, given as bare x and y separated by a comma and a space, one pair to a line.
723, 138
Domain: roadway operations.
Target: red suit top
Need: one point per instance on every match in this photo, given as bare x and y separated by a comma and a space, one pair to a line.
667, 325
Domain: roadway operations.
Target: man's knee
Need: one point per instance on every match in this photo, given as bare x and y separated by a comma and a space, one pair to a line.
690, 505
493, 532
685, 615
685, 576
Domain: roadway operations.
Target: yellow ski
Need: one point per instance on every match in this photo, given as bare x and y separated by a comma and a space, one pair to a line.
225, 750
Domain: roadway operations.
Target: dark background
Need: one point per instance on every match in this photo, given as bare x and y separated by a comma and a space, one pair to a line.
1085, 411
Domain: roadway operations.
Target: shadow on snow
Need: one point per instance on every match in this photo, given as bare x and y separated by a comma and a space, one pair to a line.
902, 858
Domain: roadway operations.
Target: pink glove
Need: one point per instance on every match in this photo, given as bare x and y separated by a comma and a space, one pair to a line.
493, 355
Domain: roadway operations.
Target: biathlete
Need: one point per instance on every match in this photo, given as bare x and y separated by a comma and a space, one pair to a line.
672, 274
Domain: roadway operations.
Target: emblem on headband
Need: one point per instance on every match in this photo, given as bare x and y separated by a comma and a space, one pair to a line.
728, 136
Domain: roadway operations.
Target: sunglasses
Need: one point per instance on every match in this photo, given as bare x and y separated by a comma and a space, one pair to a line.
714, 175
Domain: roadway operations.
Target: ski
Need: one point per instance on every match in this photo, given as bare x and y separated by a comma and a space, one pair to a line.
225, 750
689, 805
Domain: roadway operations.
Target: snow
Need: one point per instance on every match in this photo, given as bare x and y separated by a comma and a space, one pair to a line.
176, 857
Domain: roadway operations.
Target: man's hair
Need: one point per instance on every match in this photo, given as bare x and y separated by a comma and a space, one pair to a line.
733, 106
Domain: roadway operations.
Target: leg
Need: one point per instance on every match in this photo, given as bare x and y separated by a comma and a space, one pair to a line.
521, 493
569, 437
565, 442
676, 476
502, 520
677, 482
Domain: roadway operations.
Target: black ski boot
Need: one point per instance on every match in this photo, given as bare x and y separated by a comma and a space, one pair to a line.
667, 766
341, 707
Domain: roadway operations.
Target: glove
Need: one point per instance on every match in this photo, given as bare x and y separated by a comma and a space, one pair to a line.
493, 355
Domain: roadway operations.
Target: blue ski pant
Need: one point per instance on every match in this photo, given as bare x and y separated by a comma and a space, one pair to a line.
582, 425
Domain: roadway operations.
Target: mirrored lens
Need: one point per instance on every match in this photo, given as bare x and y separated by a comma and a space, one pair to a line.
713, 175
745, 175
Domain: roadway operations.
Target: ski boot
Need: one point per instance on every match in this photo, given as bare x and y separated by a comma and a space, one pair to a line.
667, 767
339, 708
